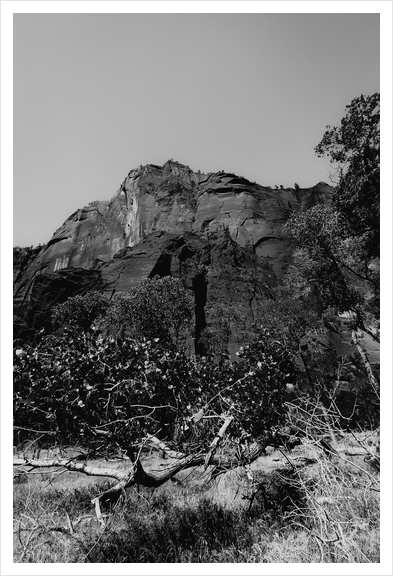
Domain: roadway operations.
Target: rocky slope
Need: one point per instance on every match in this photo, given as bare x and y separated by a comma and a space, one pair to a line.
219, 232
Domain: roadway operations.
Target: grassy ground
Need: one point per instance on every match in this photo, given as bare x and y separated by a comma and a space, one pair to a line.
327, 513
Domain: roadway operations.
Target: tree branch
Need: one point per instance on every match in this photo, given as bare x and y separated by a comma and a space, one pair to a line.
138, 475
217, 440
70, 465
371, 378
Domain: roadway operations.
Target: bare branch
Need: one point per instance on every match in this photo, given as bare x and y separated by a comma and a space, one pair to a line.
35, 431
72, 466
217, 440
137, 475
159, 445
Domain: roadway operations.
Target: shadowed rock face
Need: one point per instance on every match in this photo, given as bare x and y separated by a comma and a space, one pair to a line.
167, 220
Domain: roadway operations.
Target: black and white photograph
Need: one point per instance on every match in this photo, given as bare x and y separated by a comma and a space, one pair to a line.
196, 366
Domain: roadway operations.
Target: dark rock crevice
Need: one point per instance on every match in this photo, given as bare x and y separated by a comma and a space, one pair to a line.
162, 267
264, 239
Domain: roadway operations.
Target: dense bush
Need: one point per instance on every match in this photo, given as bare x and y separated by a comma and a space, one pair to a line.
158, 308
73, 384
80, 311
79, 384
215, 337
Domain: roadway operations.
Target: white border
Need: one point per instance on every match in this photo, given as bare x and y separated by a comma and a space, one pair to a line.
195, 6
8, 8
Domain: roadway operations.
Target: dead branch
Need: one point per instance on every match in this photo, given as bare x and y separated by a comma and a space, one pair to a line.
160, 445
70, 465
371, 378
137, 474
216, 441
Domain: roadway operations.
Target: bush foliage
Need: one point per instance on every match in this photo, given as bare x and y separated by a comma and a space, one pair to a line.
80, 383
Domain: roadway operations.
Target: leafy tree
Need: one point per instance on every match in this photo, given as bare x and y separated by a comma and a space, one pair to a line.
325, 267
357, 139
272, 368
81, 311
289, 317
354, 151
291, 320
159, 308
319, 258
337, 246
215, 337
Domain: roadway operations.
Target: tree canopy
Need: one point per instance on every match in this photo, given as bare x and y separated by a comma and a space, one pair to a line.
336, 245
158, 308
80, 311
354, 150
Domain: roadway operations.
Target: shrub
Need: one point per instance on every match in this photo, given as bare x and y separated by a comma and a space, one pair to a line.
70, 386
159, 308
79, 312
214, 338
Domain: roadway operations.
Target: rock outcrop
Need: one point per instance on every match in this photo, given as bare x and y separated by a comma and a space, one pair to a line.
220, 233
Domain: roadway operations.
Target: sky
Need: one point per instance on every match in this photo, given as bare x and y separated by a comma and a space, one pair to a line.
96, 95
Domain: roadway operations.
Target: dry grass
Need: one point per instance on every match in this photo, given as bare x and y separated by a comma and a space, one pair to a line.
331, 513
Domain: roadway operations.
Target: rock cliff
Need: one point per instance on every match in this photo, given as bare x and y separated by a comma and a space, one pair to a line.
220, 233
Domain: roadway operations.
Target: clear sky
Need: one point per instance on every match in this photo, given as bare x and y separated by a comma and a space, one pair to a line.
95, 95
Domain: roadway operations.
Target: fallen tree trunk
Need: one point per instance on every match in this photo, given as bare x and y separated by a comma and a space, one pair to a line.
137, 475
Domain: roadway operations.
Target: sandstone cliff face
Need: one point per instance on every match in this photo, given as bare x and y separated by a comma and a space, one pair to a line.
170, 220
176, 200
